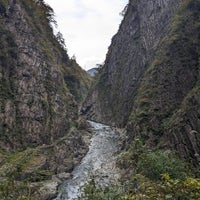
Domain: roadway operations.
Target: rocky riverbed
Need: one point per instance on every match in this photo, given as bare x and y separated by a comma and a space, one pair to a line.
99, 162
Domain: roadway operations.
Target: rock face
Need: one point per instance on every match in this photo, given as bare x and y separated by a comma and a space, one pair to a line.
40, 91
150, 80
37, 101
133, 47
166, 108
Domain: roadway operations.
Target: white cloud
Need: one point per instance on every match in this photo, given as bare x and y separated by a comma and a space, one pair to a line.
88, 26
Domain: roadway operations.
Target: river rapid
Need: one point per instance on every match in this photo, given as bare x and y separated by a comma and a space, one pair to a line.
98, 163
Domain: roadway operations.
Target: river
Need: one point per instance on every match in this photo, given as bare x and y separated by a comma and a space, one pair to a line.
98, 163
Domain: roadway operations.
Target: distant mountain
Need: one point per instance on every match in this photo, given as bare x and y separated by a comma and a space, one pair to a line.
92, 71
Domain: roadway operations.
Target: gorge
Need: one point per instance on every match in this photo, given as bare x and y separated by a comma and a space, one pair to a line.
149, 87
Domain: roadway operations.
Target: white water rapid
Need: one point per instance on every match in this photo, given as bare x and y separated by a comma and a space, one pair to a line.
99, 162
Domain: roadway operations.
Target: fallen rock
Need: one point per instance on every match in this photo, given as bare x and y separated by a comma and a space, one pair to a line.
48, 190
63, 176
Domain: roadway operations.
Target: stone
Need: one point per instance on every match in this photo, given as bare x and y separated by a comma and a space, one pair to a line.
64, 176
48, 190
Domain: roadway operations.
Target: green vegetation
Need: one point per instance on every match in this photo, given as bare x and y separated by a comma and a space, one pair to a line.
167, 188
8, 51
8, 57
77, 81
148, 174
142, 188
15, 163
93, 192
140, 159
153, 164
9, 190
11, 185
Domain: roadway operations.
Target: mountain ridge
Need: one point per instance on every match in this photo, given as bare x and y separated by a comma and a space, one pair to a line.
92, 71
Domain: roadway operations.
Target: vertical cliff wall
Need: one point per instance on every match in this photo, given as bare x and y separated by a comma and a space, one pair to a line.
37, 101
166, 108
145, 24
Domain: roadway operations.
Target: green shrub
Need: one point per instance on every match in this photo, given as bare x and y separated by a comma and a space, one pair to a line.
93, 192
167, 188
143, 188
12, 190
153, 164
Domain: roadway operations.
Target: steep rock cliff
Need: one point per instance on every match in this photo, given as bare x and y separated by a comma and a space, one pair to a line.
166, 108
40, 91
144, 26
37, 100
150, 80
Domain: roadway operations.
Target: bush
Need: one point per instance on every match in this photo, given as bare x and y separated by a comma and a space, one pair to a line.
10, 190
167, 188
93, 192
143, 188
153, 164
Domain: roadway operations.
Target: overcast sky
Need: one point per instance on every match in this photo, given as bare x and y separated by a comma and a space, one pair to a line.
88, 26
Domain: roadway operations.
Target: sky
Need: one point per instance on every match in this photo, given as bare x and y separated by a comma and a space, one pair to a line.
87, 27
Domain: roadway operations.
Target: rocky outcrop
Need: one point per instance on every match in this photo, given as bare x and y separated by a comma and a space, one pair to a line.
150, 80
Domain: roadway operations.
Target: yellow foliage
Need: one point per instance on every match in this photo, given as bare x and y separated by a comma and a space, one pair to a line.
188, 189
